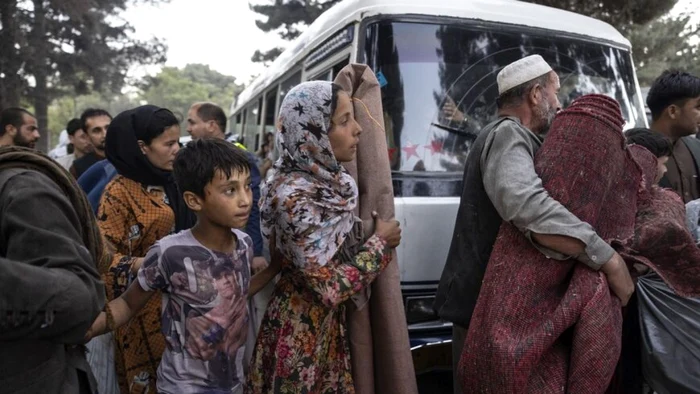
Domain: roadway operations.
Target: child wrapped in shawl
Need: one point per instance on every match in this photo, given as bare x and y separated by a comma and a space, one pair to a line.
669, 316
307, 207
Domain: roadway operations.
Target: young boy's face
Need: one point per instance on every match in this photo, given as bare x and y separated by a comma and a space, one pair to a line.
228, 200
661, 167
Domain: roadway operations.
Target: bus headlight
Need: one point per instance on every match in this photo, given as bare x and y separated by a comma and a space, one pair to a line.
420, 309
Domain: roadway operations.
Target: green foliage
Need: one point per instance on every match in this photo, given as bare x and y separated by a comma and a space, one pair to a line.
285, 17
66, 108
659, 42
53, 48
619, 13
664, 44
266, 57
177, 89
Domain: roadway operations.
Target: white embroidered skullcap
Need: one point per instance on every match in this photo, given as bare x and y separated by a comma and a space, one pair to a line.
521, 71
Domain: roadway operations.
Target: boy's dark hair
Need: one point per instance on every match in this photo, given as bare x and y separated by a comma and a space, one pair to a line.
12, 116
160, 120
514, 96
73, 126
209, 111
671, 87
656, 143
196, 163
92, 113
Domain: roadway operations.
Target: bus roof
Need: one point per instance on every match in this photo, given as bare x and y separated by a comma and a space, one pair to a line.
504, 11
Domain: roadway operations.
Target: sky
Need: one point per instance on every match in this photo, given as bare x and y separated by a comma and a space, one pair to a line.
222, 33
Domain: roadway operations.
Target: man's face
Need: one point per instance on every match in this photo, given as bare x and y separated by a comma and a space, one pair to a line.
97, 130
81, 142
197, 127
549, 105
28, 134
687, 119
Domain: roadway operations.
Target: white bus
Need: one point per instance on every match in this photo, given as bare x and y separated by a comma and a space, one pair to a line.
426, 54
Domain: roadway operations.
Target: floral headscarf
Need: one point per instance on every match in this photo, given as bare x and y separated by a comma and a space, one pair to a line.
310, 198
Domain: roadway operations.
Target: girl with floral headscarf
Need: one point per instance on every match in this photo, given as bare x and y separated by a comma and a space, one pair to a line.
307, 211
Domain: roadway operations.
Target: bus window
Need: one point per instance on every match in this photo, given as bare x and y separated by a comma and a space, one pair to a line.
324, 76
331, 73
270, 107
339, 66
260, 102
288, 84
251, 128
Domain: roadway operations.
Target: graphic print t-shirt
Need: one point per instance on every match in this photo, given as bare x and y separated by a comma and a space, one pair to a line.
205, 312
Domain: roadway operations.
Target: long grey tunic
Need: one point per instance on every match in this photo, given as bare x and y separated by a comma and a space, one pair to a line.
517, 193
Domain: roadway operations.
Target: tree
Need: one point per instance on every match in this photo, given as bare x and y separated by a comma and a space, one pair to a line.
286, 17
619, 13
266, 57
65, 108
50, 48
659, 42
664, 44
177, 89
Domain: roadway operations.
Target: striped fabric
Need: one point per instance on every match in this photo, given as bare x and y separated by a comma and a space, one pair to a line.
100, 356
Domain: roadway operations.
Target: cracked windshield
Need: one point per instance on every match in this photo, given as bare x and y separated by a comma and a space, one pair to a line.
439, 86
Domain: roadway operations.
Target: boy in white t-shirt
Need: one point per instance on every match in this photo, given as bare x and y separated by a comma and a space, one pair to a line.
204, 275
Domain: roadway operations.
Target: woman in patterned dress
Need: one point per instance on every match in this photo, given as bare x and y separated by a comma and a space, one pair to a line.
138, 207
308, 206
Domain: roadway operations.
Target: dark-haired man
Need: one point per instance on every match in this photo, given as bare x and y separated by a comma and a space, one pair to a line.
94, 122
500, 184
674, 101
18, 127
208, 120
80, 141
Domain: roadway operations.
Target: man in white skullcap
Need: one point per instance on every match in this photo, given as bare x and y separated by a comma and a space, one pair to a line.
500, 184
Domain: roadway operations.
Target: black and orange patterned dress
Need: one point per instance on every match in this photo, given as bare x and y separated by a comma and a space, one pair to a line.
133, 217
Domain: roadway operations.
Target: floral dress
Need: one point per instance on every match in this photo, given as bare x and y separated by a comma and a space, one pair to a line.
302, 346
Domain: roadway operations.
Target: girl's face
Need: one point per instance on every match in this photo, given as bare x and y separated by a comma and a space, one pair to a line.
162, 149
344, 134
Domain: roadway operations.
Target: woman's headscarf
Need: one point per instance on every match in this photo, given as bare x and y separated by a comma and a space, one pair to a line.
310, 198
124, 153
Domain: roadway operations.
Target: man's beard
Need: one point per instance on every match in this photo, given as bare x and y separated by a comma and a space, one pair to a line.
544, 115
19, 140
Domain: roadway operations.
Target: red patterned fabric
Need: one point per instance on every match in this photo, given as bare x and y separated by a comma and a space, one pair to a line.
662, 240
545, 326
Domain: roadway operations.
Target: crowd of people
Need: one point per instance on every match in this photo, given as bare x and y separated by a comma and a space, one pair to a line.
552, 237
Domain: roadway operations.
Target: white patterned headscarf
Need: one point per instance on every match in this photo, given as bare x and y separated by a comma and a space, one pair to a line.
310, 198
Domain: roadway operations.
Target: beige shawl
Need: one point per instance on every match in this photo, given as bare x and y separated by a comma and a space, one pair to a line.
380, 349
